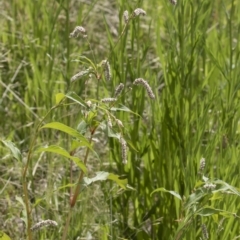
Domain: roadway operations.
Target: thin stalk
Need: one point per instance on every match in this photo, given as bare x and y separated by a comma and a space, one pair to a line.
77, 190
76, 193
122, 33
24, 175
67, 224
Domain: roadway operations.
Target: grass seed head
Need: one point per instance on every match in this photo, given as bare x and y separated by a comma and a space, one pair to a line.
119, 89
125, 16
44, 223
79, 75
174, 2
140, 81
107, 70
202, 165
77, 31
138, 12
109, 121
89, 103
119, 122
107, 100
210, 186
205, 232
124, 150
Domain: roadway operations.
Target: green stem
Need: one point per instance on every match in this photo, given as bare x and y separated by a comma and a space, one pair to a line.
76, 193
67, 224
77, 190
24, 175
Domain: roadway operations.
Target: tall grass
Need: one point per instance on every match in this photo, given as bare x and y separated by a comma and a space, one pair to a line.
189, 54
196, 116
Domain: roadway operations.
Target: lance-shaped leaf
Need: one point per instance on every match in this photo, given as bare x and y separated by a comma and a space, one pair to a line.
64, 128
208, 211
123, 108
75, 98
63, 152
225, 187
122, 182
103, 176
164, 190
12, 147
100, 176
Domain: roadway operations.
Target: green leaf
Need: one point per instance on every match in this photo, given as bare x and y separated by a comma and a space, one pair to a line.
103, 176
63, 152
100, 176
82, 127
91, 116
64, 128
12, 147
121, 182
194, 198
205, 179
76, 144
164, 190
89, 61
59, 97
37, 201
225, 187
4, 236
216, 196
208, 211
130, 144
123, 109
110, 131
74, 97
24, 212
198, 184
66, 186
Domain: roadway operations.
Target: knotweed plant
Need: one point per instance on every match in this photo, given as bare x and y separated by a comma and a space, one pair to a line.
96, 114
200, 203
68, 98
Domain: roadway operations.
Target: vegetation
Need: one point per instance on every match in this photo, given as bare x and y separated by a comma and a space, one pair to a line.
126, 127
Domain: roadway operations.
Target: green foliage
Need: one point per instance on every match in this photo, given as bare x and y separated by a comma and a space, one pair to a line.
52, 108
4, 236
12, 147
